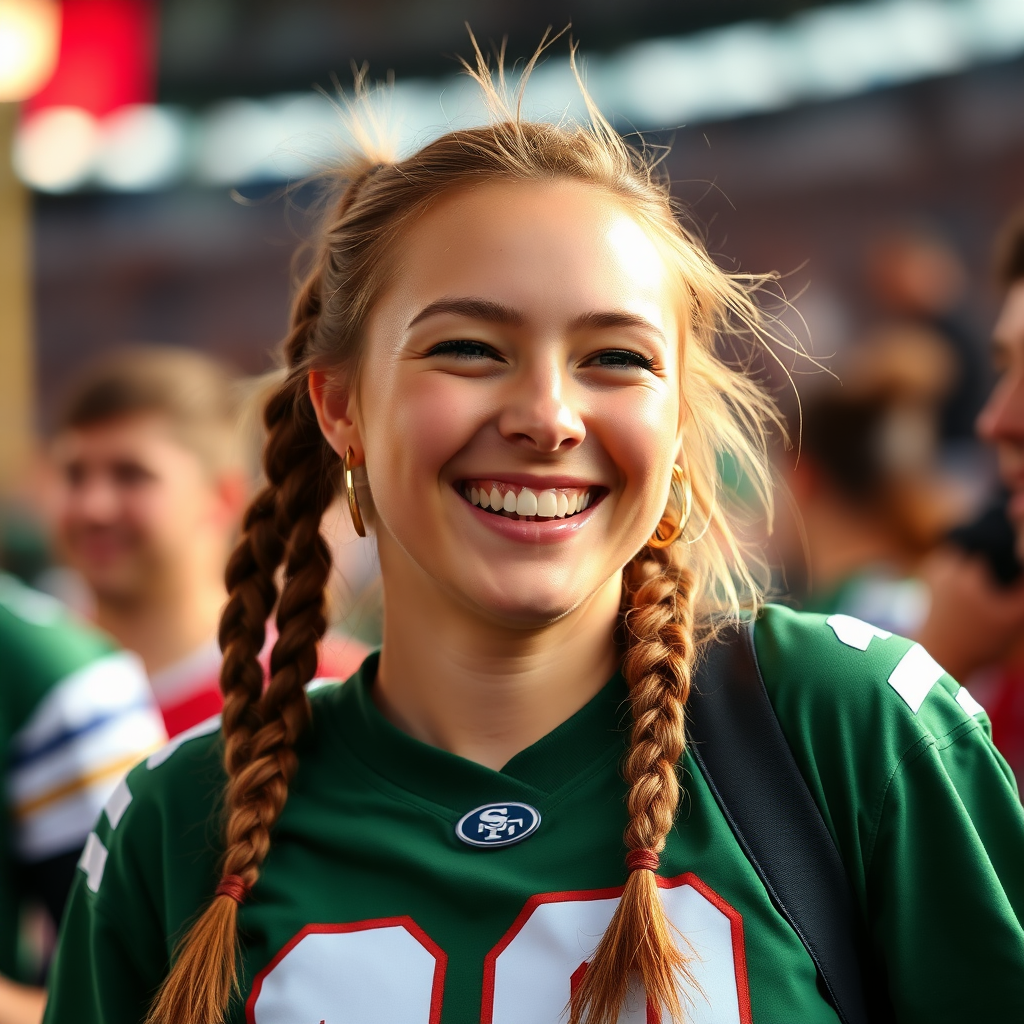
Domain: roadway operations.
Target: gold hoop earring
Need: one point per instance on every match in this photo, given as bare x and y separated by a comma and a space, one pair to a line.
353, 500
667, 532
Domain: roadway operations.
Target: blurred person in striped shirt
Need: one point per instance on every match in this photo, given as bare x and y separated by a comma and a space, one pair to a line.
75, 714
152, 478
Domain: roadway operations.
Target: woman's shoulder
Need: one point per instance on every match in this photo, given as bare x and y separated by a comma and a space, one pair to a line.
861, 707
170, 803
162, 799
874, 722
846, 679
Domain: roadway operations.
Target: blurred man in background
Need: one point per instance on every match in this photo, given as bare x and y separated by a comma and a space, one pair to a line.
918, 280
152, 483
976, 622
75, 715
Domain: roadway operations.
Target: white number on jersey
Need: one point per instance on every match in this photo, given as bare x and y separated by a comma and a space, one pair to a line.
528, 975
391, 972
372, 972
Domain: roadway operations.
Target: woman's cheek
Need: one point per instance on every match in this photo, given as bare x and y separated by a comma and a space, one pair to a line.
440, 417
425, 426
639, 430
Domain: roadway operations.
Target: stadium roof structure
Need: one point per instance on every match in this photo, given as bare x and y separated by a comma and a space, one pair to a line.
656, 70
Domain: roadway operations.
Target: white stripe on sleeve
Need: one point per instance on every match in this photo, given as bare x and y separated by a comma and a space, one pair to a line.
93, 861
968, 703
118, 803
855, 632
915, 675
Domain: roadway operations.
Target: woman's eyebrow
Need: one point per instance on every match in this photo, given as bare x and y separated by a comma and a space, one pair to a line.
611, 319
472, 309
495, 312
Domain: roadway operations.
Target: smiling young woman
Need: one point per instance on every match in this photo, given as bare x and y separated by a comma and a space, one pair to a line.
512, 344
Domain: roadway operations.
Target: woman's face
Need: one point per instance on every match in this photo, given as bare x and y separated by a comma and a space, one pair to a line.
519, 408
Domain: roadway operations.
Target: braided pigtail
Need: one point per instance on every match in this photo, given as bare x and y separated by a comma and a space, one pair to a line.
639, 943
261, 725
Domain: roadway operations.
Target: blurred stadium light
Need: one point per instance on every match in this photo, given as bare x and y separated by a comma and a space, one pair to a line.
29, 37
741, 69
140, 146
55, 150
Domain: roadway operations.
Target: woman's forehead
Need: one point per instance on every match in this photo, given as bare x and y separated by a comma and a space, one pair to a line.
552, 244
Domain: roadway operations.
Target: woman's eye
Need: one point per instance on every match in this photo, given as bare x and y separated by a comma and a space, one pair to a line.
622, 357
464, 349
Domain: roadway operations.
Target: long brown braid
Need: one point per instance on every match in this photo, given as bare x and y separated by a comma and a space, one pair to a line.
665, 591
638, 945
260, 726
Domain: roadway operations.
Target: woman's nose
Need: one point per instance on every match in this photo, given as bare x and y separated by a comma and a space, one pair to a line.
541, 411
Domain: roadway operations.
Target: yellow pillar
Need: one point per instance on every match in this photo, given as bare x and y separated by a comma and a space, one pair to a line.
16, 361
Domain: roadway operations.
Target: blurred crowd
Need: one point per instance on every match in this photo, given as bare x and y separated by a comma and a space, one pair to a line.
115, 548
114, 560
905, 490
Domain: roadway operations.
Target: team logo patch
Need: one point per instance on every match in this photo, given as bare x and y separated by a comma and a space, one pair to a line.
499, 824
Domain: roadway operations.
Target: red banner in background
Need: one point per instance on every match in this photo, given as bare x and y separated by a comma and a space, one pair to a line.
107, 57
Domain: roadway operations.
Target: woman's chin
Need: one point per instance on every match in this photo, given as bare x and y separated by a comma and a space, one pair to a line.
520, 608
522, 601
529, 614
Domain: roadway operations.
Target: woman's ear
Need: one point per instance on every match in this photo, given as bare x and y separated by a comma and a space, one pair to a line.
333, 403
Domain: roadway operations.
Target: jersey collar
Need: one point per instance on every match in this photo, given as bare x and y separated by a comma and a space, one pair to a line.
576, 748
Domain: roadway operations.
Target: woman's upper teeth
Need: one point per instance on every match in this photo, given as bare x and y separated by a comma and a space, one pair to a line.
551, 503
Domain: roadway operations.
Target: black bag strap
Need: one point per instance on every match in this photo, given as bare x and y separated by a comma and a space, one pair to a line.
736, 740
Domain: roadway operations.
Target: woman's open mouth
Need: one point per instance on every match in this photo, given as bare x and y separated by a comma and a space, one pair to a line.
514, 501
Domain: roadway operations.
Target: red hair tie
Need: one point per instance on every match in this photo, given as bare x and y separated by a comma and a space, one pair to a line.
234, 886
642, 860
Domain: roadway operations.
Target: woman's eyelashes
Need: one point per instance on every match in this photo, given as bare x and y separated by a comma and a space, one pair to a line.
463, 348
616, 358
467, 350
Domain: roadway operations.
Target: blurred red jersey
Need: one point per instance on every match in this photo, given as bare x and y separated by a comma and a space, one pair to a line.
188, 692
1005, 706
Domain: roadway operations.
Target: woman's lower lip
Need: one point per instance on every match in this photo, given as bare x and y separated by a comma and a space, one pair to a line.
532, 531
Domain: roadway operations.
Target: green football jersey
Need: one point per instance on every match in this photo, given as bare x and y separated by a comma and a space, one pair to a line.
406, 885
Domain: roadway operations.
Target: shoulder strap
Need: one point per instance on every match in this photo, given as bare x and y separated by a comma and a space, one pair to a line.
738, 744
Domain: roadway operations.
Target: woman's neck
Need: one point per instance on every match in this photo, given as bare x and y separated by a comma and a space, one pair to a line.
482, 690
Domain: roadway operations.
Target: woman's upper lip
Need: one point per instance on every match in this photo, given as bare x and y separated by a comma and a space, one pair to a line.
533, 480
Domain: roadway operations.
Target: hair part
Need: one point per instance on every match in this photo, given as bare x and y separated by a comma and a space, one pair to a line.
673, 599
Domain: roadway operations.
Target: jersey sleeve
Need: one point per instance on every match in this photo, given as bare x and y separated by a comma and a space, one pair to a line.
947, 874
146, 868
79, 715
923, 808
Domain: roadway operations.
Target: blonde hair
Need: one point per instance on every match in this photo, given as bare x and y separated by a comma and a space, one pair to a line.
672, 597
